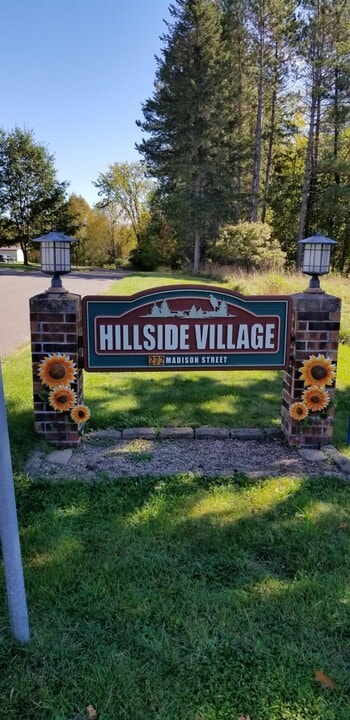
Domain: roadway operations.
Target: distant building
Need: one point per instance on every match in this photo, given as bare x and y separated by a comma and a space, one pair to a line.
11, 254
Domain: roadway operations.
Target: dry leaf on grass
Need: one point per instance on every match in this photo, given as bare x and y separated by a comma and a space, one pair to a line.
91, 712
343, 526
244, 717
323, 679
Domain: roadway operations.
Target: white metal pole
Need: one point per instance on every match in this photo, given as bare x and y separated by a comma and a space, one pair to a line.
11, 551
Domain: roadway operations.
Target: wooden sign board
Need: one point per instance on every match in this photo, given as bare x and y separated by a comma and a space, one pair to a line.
186, 327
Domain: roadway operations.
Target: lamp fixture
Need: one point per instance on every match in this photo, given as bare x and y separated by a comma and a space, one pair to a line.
55, 257
316, 259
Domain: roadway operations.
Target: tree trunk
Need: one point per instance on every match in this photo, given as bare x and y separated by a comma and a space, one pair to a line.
306, 178
271, 139
258, 129
312, 196
239, 133
269, 154
336, 123
197, 251
25, 252
198, 194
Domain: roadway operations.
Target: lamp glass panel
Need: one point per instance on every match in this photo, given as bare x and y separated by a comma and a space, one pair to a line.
47, 257
62, 257
316, 258
326, 259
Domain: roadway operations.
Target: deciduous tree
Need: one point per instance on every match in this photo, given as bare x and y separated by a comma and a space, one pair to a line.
126, 187
32, 201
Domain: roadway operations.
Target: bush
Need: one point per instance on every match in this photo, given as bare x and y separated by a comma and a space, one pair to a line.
158, 246
249, 246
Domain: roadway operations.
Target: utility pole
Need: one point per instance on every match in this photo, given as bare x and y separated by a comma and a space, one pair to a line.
11, 551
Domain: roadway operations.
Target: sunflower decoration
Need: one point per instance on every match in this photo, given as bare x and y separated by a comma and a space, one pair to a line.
57, 370
317, 371
62, 398
316, 398
80, 414
299, 411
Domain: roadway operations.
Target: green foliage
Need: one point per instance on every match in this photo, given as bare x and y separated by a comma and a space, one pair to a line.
32, 201
186, 121
284, 195
103, 239
158, 246
229, 136
249, 246
125, 188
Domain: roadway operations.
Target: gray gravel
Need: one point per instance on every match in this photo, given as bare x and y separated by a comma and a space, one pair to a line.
102, 456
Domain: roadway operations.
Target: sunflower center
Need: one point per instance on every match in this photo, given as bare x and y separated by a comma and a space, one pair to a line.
62, 399
81, 413
57, 371
300, 411
318, 372
315, 399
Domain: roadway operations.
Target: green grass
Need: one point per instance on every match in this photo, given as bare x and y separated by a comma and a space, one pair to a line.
181, 599
191, 598
19, 266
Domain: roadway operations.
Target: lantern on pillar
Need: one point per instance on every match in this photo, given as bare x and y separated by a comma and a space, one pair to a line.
316, 259
55, 257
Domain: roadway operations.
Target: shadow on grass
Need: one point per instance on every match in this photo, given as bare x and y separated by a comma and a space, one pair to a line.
189, 598
186, 399
342, 418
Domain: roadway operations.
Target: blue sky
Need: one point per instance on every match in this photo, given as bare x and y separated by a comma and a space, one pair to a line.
76, 73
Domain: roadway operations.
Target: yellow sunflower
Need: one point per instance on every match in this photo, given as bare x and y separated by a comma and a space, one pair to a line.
298, 411
80, 413
316, 398
57, 369
317, 371
62, 398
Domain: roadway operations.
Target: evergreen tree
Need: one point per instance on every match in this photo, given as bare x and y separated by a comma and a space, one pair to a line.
258, 35
187, 122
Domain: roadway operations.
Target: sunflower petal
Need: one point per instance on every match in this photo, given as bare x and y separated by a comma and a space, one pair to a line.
62, 398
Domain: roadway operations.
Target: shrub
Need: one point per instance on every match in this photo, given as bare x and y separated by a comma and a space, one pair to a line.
158, 246
249, 246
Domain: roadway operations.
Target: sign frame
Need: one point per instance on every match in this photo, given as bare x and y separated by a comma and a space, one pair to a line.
165, 309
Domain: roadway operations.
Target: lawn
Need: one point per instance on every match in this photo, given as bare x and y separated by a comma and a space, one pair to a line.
187, 598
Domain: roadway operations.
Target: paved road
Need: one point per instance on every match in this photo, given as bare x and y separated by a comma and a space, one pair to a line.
17, 287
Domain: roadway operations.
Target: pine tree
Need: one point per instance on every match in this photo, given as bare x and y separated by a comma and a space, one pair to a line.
187, 123
258, 36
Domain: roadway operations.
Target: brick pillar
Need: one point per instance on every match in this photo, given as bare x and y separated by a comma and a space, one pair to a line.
315, 329
56, 326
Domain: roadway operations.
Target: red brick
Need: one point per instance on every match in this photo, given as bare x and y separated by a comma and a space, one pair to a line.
47, 317
316, 347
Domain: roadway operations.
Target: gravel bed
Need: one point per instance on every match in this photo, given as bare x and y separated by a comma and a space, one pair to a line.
102, 458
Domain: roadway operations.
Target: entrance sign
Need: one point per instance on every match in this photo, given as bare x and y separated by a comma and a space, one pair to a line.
186, 327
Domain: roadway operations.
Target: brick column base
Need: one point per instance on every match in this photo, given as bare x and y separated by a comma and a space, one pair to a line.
315, 329
56, 327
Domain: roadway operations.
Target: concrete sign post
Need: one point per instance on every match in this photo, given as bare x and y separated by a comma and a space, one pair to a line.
9, 534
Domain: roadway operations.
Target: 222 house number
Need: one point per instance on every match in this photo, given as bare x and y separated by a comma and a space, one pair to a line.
156, 360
